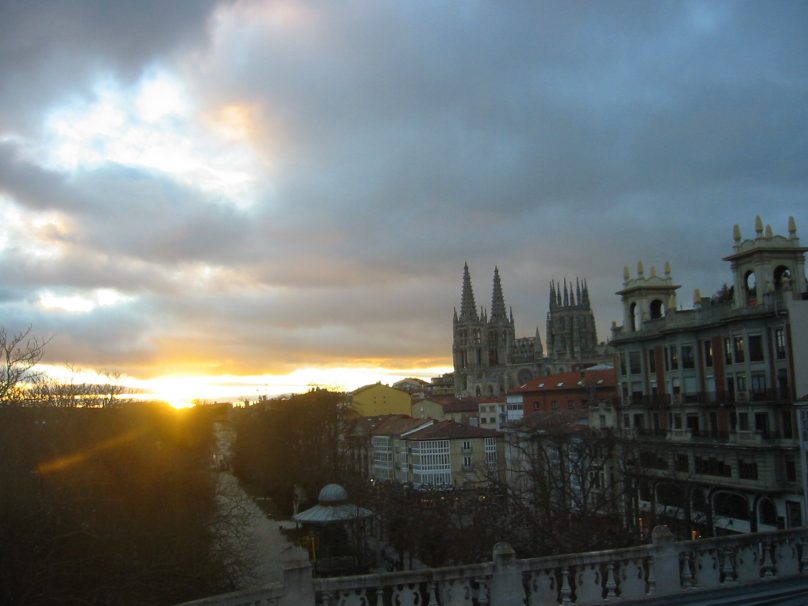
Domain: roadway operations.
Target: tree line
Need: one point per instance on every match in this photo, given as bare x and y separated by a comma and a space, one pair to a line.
110, 504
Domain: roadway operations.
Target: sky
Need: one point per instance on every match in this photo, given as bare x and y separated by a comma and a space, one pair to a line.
241, 197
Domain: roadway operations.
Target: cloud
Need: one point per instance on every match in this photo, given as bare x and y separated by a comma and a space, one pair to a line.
274, 185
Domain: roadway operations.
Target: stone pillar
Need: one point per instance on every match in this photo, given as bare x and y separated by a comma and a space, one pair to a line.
506, 581
666, 562
298, 586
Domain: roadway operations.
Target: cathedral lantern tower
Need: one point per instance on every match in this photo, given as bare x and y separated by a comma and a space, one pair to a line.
571, 333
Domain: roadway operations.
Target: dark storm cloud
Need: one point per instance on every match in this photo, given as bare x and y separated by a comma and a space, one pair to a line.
403, 139
51, 50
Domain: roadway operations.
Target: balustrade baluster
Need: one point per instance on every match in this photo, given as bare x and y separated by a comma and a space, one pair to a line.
380, 595
651, 576
611, 584
804, 554
687, 573
482, 592
728, 566
433, 591
566, 590
767, 566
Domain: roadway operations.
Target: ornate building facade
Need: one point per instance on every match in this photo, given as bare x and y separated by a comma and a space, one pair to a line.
490, 360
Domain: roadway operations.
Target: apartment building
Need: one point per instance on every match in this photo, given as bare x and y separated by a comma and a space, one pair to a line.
709, 395
428, 454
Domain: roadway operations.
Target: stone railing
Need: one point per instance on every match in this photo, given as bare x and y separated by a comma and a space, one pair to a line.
663, 568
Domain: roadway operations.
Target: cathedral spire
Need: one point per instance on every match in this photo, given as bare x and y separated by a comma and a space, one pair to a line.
552, 295
468, 307
578, 291
566, 294
498, 311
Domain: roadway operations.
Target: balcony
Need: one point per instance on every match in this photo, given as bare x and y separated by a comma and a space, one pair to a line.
708, 398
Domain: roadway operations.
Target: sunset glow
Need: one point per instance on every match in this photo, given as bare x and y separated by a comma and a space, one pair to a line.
225, 200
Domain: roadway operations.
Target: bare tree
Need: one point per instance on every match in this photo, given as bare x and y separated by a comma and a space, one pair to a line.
21, 352
565, 490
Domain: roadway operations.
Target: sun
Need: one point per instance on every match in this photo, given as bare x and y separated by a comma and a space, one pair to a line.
179, 393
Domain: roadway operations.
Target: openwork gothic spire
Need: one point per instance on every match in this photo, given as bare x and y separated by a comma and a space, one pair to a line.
468, 308
498, 311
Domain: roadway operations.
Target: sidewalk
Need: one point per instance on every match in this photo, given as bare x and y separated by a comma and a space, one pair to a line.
264, 543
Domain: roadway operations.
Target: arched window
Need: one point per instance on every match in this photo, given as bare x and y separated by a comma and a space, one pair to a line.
657, 309
750, 282
781, 273
633, 316
731, 505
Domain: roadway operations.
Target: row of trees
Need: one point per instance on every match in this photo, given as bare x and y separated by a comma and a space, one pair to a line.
104, 505
289, 449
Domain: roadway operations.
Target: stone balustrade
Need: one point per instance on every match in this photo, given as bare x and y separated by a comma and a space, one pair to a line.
662, 568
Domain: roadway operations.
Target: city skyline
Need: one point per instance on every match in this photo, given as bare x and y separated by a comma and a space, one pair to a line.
259, 196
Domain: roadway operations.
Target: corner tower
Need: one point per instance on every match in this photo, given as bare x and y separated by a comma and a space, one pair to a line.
767, 265
646, 298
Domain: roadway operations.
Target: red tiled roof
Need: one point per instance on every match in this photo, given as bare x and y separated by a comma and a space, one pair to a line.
449, 430
393, 425
602, 379
563, 419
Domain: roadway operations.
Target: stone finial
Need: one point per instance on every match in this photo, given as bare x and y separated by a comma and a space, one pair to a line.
667, 269
653, 271
626, 274
736, 233
792, 227
758, 226
640, 270
697, 297
769, 232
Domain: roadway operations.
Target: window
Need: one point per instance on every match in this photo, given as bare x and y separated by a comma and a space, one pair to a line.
747, 470
674, 357
708, 353
727, 351
554, 405
651, 361
571, 404
634, 362
758, 382
779, 344
622, 364
755, 348
688, 360
682, 463
791, 470
743, 421
739, 351
713, 467
467, 462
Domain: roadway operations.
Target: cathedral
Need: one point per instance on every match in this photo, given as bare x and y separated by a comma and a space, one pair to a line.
490, 360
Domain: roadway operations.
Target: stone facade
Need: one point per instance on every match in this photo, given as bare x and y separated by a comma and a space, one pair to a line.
490, 360
708, 394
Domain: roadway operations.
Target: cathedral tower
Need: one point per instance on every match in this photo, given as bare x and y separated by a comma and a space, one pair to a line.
570, 322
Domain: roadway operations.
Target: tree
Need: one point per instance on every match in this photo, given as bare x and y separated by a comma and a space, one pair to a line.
308, 429
565, 491
21, 352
